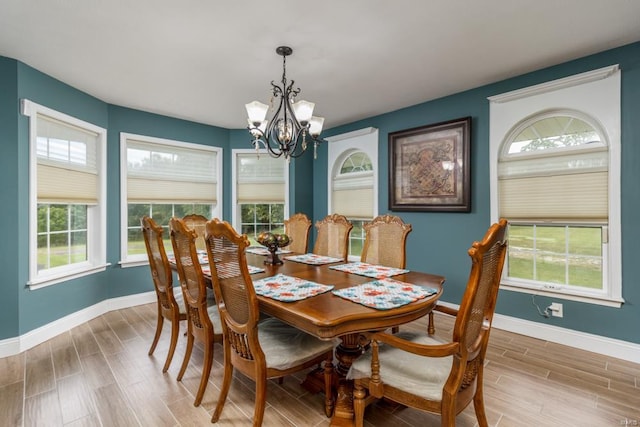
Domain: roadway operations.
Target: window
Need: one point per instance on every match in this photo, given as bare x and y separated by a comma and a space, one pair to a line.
164, 178
260, 193
353, 186
67, 192
555, 177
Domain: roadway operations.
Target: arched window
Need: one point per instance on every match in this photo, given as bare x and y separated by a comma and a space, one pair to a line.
353, 181
555, 177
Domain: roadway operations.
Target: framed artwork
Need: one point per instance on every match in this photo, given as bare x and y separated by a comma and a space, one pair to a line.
429, 167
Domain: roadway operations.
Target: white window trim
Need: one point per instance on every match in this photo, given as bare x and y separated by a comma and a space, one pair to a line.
96, 217
235, 212
339, 147
573, 93
142, 259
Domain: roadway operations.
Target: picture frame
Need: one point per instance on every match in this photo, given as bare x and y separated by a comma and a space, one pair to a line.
429, 167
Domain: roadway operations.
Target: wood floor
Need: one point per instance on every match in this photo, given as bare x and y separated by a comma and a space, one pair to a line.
99, 374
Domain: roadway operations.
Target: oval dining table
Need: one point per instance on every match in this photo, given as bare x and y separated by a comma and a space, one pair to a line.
328, 316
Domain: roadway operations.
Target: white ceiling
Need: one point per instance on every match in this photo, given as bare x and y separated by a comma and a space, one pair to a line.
202, 60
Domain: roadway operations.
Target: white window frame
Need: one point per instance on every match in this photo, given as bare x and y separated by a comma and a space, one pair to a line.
236, 221
596, 94
142, 259
96, 215
340, 147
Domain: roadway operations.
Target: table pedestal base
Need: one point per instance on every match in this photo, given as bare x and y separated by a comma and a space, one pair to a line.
347, 351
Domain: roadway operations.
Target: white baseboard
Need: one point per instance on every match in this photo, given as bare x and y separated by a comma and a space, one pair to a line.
11, 346
595, 343
598, 344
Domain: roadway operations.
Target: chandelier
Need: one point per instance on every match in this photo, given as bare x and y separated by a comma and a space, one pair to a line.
292, 126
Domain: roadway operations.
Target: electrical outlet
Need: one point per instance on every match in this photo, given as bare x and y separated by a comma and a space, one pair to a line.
556, 309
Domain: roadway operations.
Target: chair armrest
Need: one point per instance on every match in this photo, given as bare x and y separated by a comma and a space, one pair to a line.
446, 310
437, 350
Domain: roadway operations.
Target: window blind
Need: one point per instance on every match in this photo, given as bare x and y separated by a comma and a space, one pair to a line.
260, 179
352, 194
159, 173
570, 186
67, 162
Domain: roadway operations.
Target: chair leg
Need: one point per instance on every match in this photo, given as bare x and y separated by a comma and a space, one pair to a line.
478, 401
206, 370
358, 403
261, 400
328, 385
431, 328
159, 325
187, 356
224, 388
175, 330
395, 329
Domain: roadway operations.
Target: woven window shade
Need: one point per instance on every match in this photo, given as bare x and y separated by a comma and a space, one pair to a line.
580, 196
67, 163
260, 179
352, 194
572, 185
356, 203
167, 173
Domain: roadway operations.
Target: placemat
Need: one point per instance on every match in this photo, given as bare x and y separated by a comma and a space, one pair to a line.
313, 259
286, 288
252, 270
384, 294
202, 258
369, 270
258, 250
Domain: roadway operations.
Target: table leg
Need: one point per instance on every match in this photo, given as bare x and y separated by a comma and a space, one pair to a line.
347, 351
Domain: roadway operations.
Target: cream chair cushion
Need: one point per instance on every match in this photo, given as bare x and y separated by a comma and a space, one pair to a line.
419, 375
285, 346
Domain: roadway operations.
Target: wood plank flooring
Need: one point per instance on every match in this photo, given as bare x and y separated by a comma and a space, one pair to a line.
99, 374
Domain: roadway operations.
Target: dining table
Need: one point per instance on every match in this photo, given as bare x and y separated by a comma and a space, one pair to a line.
331, 317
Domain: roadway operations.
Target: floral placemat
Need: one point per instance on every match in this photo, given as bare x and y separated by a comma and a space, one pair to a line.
369, 270
202, 258
384, 294
258, 250
286, 288
313, 259
252, 270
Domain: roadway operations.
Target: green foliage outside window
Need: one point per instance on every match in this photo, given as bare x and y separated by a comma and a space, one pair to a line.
259, 217
563, 255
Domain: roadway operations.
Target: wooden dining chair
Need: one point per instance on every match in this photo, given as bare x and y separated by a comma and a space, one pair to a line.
203, 319
170, 306
385, 241
196, 222
297, 228
261, 350
422, 372
333, 236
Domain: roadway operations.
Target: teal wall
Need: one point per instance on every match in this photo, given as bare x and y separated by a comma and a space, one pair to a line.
438, 243
10, 244
21, 309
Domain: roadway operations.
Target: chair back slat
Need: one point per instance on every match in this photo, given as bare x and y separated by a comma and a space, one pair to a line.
158, 261
232, 285
297, 228
333, 236
196, 223
478, 303
194, 287
385, 241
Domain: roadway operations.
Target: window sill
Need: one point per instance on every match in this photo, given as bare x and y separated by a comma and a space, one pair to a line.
43, 282
133, 263
590, 299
